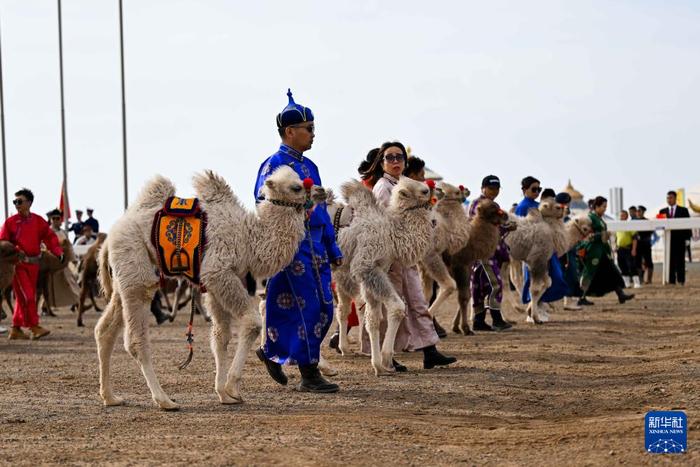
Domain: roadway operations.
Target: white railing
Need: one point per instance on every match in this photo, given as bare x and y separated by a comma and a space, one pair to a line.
657, 224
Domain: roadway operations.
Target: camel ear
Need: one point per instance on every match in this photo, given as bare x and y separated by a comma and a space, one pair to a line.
270, 184
439, 193
404, 193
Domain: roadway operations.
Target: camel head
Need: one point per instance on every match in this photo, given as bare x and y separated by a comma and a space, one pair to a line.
491, 212
550, 208
583, 225
450, 193
8, 253
51, 263
285, 186
409, 194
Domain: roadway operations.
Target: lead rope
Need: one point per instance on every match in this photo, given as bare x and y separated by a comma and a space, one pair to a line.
189, 333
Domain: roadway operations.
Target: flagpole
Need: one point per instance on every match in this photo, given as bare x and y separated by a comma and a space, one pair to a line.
2, 128
63, 112
121, 50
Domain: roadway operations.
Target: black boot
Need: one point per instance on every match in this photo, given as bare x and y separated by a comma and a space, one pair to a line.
157, 311
583, 301
439, 329
274, 369
498, 323
480, 321
400, 368
312, 381
622, 297
433, 358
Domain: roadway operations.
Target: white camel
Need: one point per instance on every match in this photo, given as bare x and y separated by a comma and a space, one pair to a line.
451, 235
238, 241
537, 237
376, 238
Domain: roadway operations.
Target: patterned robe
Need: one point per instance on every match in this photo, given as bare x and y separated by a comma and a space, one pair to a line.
299, 303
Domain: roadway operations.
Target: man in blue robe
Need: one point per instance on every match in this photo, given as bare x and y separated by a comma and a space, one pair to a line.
299, 303
559, 289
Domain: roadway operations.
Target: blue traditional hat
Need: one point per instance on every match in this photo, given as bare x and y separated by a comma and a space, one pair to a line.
294, 113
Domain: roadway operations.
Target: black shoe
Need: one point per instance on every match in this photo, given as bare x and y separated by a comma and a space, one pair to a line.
583, 301
399, 367
433, 358
481, 326
439, 329
312, 381
274, 369
498, 323
622, 298
334, 342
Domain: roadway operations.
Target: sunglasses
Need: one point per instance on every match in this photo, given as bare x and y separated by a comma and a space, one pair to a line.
18, 202
55, 218
309, 128
536, 189
393, 157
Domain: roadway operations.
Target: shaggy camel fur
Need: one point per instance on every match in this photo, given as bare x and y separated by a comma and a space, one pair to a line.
376, 238
450, 236
238, 241
538, 236
88, 276
9, 257
484, 235
50, 264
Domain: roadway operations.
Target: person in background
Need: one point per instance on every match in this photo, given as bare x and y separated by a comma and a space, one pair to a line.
27, 232
92, 222
644, 241
77, 226
548, 193
679, 239
63, 288
531, 191
600, 275
627, 254
486, 280
88, 236
633, 212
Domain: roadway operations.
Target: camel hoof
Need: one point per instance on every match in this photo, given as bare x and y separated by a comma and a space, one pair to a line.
467, 332
456, 330
328, 371
384, 372
80, 324
168, 405
227, 399
112, 401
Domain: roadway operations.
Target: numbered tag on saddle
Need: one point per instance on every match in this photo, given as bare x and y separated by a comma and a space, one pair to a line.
178, 237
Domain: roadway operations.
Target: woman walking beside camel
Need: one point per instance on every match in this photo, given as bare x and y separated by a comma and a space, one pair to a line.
417, 331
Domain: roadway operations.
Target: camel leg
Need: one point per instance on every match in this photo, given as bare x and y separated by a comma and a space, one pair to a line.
373, 320
460, 323
395, 313
106, 332
81, 304
538, 286
137, 342
508, 295
249, 327
181, 284
325, 368
446, 288
91, 292
219, 340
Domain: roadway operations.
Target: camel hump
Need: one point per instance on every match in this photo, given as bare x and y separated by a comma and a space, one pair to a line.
212, 187
534, 215
359, 197
155, 192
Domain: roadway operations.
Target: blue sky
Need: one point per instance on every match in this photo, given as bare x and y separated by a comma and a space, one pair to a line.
605, 93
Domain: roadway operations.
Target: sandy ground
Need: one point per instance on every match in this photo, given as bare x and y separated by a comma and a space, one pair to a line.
571, 392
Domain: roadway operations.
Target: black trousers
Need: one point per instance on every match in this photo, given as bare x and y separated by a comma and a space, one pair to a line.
626, 262
644, 255
677, 266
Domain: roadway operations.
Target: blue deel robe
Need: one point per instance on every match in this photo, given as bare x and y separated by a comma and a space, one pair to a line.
559, 288
299, 303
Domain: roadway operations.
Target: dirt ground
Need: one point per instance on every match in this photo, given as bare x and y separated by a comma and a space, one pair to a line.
571, 392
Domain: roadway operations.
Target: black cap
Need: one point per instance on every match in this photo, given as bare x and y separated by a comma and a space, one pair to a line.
563, 198
641, 208
548, 193
54, 212
491, 180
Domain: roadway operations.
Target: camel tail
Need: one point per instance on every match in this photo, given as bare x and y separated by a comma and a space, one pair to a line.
104, 272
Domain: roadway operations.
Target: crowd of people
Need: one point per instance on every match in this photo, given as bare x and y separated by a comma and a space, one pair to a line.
296, 328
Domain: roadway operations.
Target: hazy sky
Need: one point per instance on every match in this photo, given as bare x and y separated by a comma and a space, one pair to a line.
606, 93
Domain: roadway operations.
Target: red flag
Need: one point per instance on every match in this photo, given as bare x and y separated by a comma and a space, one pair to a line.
64, 205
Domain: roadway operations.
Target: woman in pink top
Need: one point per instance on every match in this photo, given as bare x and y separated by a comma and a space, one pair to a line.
416, 331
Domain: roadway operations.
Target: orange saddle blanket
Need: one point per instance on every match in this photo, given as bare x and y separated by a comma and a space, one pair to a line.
178, 237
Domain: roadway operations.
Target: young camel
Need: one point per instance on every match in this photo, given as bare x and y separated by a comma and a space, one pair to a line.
450, 236
238, 241
49, 265
484, 235
538, 236
376, 238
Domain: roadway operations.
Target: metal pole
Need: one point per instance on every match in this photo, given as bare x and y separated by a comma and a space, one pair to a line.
63, 112
121, 49
2, 128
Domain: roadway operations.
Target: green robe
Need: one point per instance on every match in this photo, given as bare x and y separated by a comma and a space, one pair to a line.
598, 262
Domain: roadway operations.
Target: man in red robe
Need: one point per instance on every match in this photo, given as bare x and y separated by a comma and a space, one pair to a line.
27, 232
